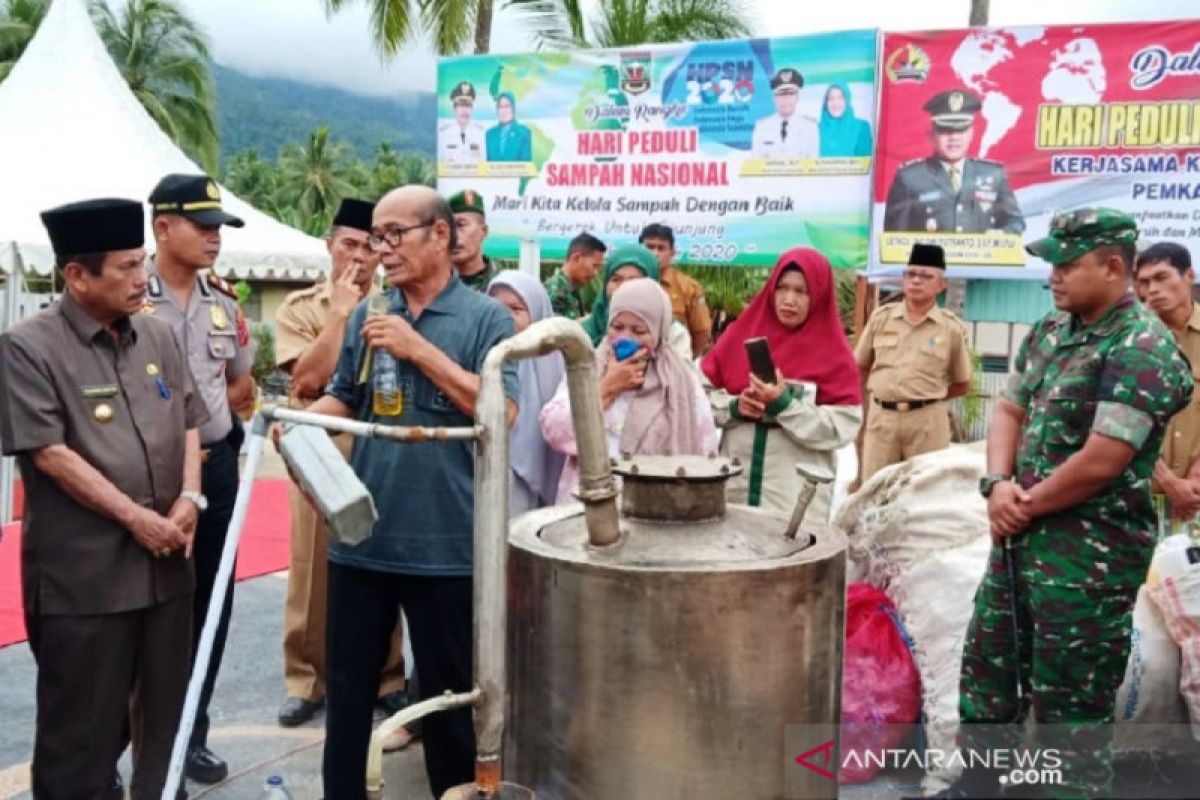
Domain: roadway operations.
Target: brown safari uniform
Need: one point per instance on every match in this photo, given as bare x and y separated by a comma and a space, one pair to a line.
1181, 442
911, 368
109, 623
687, 302
298, 322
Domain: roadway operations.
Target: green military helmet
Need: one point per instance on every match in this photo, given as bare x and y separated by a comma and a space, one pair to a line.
1073, 233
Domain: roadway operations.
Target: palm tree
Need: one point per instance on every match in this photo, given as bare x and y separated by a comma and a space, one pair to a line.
164, 57
450, 22
19, 20
252, 178
561, 24
315, 177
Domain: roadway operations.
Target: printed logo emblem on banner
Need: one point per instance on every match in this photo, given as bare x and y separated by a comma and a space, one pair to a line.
635, 72
909, 63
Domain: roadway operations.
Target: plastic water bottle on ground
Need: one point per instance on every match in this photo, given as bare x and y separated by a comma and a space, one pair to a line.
274, 789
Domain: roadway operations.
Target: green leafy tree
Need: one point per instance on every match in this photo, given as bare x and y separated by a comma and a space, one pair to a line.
252, 178
19, 20
314, 177
450, 23
164, 57
391, 168
562, 24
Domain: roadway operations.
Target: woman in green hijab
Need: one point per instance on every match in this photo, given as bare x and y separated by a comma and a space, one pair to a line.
508, 140
624, 263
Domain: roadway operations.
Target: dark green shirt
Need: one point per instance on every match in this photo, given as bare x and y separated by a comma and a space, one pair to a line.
565, 299
480, 280
1122, 377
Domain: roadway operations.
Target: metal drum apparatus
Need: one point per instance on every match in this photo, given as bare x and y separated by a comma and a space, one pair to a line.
670, 663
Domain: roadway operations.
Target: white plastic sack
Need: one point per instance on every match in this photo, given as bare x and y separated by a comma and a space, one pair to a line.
1178, 598
919, 531
1149, 696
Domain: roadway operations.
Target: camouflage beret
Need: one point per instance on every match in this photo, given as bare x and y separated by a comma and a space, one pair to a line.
467, 200
1073, 233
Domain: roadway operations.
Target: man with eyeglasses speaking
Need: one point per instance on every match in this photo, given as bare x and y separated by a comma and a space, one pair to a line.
419, 557
912, 357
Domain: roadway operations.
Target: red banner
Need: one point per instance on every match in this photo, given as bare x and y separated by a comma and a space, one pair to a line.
985, 133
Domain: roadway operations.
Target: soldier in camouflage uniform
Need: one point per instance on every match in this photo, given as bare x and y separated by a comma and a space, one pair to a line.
475, 269
1070, 453
585, 259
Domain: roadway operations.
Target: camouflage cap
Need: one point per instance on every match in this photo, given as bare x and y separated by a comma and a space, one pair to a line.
466, 200
1073, 233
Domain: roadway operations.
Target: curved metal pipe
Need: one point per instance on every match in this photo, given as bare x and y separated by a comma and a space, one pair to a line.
597, 490
400, 719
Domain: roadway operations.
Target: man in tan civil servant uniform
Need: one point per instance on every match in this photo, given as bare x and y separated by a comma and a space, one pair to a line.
1164, 278
687, 295
309, 329
912, 357
100, 410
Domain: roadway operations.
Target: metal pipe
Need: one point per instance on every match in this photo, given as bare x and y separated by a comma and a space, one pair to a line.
400, 719
597, 491
369, 430
241, 506
814, 477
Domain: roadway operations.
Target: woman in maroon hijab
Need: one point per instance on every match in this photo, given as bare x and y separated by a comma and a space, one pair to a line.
813, 408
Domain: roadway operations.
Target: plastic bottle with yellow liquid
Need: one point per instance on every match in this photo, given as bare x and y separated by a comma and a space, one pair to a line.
387, 400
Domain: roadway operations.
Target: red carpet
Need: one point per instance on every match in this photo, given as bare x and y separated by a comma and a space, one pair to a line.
264, 548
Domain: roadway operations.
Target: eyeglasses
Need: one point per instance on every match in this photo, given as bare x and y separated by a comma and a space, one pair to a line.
392, 237
914, 275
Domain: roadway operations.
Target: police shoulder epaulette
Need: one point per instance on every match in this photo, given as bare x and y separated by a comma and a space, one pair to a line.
912, 162
221, 285
989, 162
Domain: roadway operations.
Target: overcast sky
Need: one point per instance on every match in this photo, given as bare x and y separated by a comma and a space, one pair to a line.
294, 39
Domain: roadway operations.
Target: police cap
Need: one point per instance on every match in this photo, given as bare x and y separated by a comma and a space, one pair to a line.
193, 196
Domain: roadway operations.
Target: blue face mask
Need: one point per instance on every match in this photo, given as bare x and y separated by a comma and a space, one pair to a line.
624, 347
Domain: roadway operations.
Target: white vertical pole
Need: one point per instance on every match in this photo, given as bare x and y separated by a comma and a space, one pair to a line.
531, 258
241, 507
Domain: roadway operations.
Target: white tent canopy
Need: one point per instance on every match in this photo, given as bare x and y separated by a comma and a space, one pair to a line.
73, 130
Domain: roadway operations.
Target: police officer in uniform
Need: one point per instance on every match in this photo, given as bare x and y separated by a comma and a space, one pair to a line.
948, 192
785, 134
215, 341
102, 414
462, 139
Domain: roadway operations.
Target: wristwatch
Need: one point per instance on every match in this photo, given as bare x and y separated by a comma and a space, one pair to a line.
989, 481
196, 497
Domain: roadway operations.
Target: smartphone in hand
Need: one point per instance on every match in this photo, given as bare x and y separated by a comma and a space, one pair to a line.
762, 366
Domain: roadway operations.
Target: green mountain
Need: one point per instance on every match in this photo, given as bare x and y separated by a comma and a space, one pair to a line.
268, 113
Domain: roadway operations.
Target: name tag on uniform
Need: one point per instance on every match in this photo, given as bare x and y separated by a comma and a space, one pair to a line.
105, 390
887, 340
925, 197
